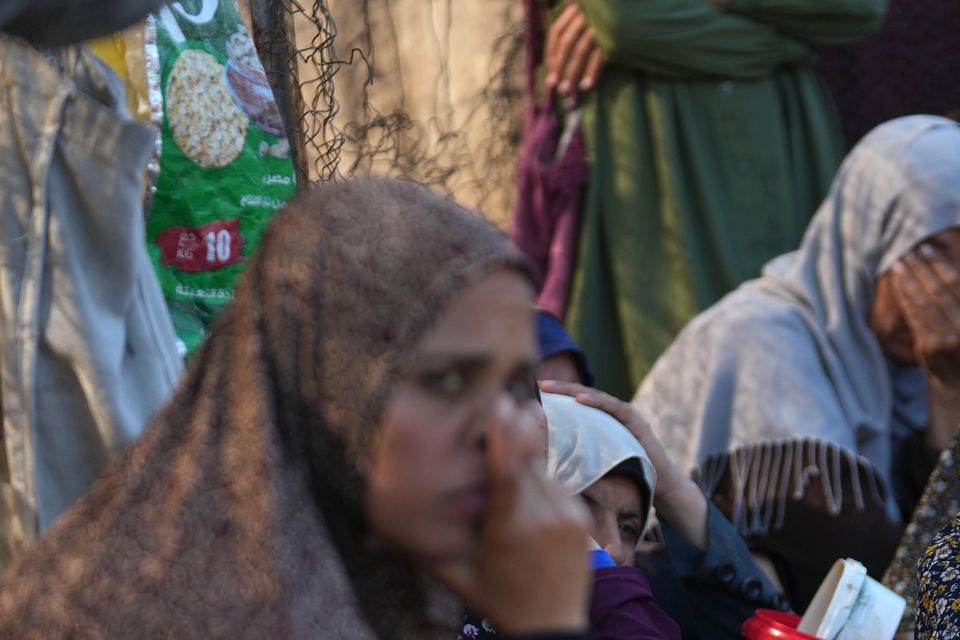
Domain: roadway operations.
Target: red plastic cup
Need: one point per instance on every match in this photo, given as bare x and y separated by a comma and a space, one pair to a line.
769, 624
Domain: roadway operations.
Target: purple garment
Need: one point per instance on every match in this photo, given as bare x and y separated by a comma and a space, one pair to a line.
622, 608
546, 223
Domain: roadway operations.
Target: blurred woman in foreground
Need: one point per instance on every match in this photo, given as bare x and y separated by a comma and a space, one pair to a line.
354, 442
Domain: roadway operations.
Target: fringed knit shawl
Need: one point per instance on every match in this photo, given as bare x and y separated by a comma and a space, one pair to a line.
783, 380
240, 513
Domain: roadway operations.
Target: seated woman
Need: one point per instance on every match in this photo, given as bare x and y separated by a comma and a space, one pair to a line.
706, 580
704, 576
811, 402
355, 440
597, 458
600, 457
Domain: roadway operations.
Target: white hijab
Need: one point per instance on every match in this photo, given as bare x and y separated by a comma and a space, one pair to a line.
584, 444
789, 358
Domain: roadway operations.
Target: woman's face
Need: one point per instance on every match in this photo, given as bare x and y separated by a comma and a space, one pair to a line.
560, 366
614, 503
428, 479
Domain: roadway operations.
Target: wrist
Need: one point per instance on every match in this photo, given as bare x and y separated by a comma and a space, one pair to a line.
554, 623
673, 492
684, 507
944, 413
677, 499
944, 392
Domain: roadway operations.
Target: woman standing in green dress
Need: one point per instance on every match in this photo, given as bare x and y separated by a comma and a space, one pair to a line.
711, 140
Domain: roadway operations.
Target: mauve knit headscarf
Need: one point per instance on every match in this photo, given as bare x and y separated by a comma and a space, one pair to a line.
240, 512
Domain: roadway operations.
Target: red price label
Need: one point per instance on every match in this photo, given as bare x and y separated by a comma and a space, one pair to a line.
206, 248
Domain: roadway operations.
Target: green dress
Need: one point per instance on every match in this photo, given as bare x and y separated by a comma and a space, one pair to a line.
712, 141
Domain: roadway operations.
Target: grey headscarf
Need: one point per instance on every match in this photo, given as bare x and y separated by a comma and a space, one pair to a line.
789, 358
585, 444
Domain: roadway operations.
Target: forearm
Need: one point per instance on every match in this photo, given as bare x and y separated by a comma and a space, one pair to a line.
819, 22
687, 38
684, 507
944, 414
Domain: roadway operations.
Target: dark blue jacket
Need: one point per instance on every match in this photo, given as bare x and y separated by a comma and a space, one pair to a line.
710, 593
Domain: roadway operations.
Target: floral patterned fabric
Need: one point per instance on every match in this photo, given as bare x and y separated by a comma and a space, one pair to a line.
474, 627
938, 603
940, 500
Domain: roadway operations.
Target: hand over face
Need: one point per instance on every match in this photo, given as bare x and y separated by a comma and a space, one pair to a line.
927, 284
530, 573
572, 56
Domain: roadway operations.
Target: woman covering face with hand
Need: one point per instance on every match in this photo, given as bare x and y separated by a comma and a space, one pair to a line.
813, 401
357, 434
916, 317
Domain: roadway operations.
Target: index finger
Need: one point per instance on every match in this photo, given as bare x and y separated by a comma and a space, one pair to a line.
504, 463
920, 291
566, 51
515, 439
554, 33
947, 273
